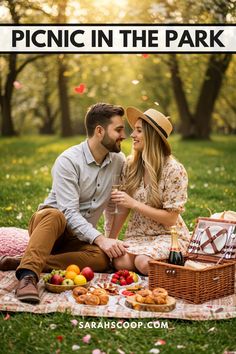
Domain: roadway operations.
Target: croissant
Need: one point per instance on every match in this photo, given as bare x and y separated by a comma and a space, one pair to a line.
92, 300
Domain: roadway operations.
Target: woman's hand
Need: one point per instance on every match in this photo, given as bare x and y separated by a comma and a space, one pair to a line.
123, 199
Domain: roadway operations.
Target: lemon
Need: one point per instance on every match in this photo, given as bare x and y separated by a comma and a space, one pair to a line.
80, 280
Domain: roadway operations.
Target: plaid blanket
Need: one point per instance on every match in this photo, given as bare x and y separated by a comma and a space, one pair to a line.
223, 308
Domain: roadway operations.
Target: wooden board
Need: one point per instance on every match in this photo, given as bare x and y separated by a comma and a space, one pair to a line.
169, 306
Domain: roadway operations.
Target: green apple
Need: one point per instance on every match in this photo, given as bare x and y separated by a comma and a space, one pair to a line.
67, 282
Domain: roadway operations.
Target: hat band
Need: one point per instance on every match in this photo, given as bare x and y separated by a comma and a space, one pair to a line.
158, 126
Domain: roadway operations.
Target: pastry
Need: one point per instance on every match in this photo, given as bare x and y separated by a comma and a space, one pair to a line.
144, 292
149, 299
139, 298
91, 299
103, 299
99, 292
79, 290
160, 292
160, 300
81, 299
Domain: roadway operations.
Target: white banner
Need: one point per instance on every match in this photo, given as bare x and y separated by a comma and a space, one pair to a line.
117, 38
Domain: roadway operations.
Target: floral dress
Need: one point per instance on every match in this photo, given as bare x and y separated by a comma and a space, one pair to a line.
146, 236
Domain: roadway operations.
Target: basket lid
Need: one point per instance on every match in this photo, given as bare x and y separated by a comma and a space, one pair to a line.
213, 238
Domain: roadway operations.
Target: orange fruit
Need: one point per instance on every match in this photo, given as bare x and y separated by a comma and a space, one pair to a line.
73, 268
80, 280
70, 274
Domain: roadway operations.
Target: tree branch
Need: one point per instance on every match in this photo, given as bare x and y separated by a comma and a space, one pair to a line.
29, 60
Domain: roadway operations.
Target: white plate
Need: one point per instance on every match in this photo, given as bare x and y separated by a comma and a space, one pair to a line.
219, 241
125, 286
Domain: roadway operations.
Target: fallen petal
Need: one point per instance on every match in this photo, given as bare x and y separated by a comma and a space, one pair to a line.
120, 351
179, 346
211, 329
86, 339
96, 351
53, 326
75, 347
145, 55
154, 351
7, 317
60, 338
160, 342
74, 322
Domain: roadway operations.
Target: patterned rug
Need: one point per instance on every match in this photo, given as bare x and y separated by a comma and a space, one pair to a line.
223, 308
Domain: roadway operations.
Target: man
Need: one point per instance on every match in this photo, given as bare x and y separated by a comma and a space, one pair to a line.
63, 230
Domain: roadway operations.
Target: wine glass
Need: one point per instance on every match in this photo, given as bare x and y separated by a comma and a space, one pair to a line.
116, 186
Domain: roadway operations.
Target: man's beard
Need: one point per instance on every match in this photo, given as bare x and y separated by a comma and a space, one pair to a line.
110, 144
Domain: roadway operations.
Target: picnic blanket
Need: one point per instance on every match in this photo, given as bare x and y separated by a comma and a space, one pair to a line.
223, 308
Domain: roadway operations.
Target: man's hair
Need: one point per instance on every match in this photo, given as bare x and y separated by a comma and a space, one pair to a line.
101, 114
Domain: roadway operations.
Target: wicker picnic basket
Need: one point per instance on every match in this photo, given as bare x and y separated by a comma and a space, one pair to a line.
201, 285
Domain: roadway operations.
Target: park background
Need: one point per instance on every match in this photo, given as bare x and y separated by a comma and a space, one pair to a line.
43, 100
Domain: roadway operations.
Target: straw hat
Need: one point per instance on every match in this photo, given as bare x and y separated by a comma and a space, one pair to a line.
156, 119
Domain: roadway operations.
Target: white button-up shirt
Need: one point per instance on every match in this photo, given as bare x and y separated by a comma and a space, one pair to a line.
81, 188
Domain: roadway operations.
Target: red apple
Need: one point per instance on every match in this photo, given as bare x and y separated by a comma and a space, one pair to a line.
56, 279
88, 273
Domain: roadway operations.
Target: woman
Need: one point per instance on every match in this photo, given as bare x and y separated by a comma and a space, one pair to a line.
155, 193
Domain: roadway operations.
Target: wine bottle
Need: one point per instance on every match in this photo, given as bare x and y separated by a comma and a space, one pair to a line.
175, 255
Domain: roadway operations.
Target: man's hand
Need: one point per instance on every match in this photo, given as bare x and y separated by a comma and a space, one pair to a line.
113, 248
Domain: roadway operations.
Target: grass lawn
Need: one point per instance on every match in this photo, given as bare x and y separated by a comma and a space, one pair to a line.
25, 181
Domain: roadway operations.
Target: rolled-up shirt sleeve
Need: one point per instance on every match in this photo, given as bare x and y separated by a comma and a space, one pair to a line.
67, 192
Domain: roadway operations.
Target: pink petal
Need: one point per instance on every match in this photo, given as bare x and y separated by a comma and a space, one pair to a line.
74, 322
7, 317
17, 85
86, 339
96, 351
160, 342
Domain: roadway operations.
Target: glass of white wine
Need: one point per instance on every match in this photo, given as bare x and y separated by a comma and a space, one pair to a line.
116, 186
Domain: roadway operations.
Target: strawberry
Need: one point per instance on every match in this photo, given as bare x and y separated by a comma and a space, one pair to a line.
116, 276
123, 282
127, 293
114, 281
129, 279
126, 273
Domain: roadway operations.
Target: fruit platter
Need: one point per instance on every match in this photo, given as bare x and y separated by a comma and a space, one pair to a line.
124, 277
62, 280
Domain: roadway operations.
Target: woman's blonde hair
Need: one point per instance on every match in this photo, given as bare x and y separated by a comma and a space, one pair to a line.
152, 157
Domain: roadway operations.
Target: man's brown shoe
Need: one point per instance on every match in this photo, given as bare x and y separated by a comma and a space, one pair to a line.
27, 290
9, 263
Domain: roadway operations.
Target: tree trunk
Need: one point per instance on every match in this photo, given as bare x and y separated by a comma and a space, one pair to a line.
187, 124
66, 129
7, 128
217, 66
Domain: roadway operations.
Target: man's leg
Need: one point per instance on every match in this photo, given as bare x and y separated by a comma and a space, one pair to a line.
46, 226
84, 255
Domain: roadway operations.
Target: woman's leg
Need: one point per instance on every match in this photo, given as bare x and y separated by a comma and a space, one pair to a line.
141, 263
125, 262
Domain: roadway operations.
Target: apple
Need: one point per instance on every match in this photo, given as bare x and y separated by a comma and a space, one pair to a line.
56, 279
68, 282
88, 273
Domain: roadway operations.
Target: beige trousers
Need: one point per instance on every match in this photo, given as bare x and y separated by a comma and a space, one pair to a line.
53, 246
